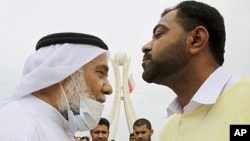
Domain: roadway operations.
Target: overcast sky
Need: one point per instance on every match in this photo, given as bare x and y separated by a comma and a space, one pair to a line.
125, 26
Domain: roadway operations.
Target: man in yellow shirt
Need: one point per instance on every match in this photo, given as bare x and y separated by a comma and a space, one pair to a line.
186, 54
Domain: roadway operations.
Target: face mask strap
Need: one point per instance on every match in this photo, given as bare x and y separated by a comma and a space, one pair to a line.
64, 94
74, 83
84, 95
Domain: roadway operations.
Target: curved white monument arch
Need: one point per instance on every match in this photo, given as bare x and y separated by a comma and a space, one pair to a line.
121, 89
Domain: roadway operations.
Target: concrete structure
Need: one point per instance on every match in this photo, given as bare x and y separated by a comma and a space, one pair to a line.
120, 65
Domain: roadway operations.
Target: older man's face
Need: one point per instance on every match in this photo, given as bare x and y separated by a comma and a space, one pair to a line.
96, 74
91, 81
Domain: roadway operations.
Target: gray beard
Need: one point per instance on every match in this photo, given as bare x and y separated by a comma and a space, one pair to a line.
74, 94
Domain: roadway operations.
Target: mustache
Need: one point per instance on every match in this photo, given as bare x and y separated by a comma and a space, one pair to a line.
100, 98
147, 56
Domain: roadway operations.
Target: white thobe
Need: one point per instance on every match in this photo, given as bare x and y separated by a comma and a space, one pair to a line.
31, 119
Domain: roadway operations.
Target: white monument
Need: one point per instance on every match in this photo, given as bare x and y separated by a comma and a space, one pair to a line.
121, 93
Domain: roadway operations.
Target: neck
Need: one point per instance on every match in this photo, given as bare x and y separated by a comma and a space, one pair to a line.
187, 84
52, 96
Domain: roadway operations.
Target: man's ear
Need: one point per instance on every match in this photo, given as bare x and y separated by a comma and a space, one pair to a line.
198, 39
152, 132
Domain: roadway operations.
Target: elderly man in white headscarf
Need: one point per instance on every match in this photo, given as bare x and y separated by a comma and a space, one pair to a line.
63, 87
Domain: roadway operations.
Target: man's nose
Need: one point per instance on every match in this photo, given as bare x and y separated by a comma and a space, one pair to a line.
107, 88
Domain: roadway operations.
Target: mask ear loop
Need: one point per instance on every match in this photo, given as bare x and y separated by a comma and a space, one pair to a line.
74, 83
64, 94
72, 123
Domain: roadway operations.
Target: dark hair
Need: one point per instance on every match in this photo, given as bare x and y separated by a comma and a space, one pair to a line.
141, 122
131, 134
104, 121
191, 14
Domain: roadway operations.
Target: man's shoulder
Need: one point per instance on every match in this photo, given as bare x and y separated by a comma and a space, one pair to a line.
16, 114
244, 83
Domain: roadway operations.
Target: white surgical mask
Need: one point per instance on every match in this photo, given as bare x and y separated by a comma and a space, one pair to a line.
90, 112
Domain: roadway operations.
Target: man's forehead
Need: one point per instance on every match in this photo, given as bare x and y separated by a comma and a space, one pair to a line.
170, 16
140, 128
100, 61
166, 20
101, 58
100, 128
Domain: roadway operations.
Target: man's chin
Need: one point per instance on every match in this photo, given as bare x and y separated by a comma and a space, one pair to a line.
147, 78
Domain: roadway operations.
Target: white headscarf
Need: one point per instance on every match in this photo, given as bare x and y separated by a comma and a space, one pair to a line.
50, 65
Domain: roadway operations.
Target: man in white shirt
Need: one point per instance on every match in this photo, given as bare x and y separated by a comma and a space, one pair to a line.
63, 87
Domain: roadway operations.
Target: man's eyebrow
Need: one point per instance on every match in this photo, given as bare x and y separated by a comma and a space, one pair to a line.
104, 67
159, 26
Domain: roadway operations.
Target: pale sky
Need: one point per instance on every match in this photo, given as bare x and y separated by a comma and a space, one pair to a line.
125, 26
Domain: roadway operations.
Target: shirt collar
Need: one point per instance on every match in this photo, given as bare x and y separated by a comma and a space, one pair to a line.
208, 93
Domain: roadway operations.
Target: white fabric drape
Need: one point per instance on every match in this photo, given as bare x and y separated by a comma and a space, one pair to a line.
49, 65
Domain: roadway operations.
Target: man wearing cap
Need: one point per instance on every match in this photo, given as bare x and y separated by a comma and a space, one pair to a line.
63, 87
